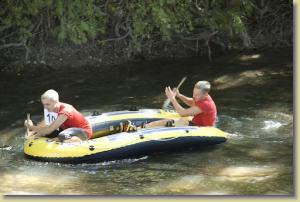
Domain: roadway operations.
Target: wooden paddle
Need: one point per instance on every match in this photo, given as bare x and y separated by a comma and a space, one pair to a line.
167, 101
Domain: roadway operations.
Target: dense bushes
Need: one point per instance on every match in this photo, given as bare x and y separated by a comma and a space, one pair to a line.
142, 27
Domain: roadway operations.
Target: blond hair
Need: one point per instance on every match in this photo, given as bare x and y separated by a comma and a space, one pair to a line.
203, 85
50, 94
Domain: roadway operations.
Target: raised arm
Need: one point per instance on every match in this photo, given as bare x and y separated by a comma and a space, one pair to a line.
187, 100
192, 111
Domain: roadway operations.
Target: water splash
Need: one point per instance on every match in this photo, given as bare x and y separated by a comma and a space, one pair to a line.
271, 125
6, 147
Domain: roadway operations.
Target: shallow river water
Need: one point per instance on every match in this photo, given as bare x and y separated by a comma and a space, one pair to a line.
254, 97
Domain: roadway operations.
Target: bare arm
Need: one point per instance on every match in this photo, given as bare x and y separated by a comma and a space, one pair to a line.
42, 123
187, 100
192, 111
44, 130
29, 133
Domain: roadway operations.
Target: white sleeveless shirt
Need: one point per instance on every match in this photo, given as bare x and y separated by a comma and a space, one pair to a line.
49, 117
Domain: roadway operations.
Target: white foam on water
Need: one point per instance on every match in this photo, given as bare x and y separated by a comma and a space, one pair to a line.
108, 163
235, 136
271, 125
24, 193
6, 147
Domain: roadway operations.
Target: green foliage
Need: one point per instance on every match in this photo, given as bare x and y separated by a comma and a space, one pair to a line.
168, 16
75, 20
78, 21
224, 16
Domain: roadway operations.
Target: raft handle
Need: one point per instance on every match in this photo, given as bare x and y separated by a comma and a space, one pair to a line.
133, 108
96, 113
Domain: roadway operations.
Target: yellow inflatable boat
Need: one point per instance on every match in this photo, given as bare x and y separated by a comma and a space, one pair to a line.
109, 123
124, 145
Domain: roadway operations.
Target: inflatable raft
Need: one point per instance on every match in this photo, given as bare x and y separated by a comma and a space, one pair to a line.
109, 123
126, 144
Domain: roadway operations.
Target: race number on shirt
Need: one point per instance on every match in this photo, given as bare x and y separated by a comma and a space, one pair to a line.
49, 117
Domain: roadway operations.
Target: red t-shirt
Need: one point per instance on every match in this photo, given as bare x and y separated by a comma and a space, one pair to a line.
209, 112
75, 119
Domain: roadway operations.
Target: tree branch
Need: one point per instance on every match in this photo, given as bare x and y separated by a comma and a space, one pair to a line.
200, 36
115, 39
12, 45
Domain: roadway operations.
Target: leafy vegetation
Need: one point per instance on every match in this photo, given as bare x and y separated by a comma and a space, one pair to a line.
144, 27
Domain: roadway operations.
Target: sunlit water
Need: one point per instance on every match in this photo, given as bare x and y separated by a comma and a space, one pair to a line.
257, 158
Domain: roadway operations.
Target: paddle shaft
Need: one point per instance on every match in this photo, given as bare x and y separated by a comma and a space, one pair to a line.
28, 118
167, 101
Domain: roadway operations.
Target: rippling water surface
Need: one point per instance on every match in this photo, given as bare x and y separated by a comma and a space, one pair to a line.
255, 105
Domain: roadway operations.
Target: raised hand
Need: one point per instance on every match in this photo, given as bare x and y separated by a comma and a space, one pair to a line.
176, 92
169, 93
28, 123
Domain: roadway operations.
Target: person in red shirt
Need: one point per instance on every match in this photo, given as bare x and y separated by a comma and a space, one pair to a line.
201, 107
73, 125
